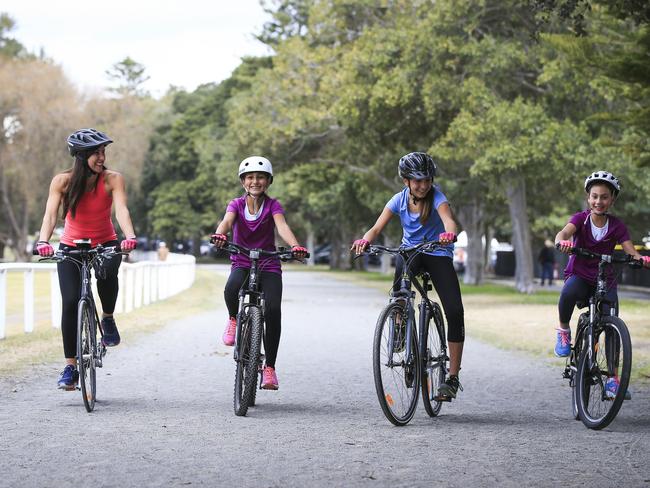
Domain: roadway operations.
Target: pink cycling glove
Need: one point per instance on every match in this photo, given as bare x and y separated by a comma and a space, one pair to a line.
361, 243
646, 261
219, 239
128, 245
44, 249
565, 245
447, 237
299, 251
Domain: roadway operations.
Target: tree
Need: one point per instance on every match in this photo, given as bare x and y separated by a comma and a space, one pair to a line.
130, 76
9, 47
34, 100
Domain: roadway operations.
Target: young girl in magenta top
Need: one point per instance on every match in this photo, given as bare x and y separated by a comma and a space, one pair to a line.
598, 231
253, 219
425, 215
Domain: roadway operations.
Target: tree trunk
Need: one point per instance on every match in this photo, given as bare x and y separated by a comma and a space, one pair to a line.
311, 239
385, 257
516, 193
472, 218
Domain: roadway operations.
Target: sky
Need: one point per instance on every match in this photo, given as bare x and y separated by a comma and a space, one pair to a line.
182, 42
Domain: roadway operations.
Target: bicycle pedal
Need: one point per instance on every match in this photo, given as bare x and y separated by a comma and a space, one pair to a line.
442, 398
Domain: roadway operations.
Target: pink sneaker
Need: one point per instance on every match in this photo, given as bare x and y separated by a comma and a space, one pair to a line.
269, 379
229, 334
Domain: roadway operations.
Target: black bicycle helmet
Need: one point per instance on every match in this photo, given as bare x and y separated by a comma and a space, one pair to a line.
86, 139
603, 177
417, 166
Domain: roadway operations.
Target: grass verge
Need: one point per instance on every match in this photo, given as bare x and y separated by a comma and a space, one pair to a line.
45, 346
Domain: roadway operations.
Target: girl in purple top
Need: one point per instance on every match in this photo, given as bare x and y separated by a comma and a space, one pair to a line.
253, 219
598, 231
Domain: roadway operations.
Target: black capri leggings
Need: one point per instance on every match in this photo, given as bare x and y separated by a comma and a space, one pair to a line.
445, 281
576, 290
70, 285
271, 285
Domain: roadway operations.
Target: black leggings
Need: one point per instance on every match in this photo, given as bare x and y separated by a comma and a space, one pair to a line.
577, 289
271, 285
70, 285
445, 281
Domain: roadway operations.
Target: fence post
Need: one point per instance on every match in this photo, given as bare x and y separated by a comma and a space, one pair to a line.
130, 289
29, 299
146, 287
55, 300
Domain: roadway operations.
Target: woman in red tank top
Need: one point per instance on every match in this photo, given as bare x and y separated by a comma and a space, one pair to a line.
86, 193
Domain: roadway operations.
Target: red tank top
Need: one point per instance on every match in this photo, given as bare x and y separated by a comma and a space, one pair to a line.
92, 218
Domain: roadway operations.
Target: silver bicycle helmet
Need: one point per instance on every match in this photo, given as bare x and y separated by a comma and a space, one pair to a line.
417, 166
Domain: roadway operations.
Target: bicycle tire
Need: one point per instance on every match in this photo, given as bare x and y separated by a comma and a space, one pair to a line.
246, 371
397, 385
434, 362
595, 409
574, 359
86, 348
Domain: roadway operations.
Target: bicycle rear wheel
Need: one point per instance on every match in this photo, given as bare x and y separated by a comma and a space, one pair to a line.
86, 347
610, 356
246, 371
397, 377
434, 361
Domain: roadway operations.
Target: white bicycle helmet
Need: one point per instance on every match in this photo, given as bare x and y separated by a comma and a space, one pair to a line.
605, 177
253, 164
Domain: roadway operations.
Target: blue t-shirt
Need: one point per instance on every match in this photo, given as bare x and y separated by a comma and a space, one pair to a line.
414, 231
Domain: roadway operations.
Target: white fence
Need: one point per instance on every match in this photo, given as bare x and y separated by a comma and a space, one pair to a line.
141, 283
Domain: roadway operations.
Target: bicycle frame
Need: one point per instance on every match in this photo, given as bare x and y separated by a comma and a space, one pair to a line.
255, 297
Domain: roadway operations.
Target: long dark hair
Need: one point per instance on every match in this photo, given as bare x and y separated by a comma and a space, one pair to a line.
427, 205
79, 174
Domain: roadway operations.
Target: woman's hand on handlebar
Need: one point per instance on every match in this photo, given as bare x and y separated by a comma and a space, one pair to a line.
219, 240
564, 246
44, 249
645, 260
299, 252
359, 246
447, 238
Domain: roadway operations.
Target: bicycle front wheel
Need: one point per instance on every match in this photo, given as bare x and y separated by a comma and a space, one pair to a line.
86, 347
608, 359
434, 361
397, 376
247, 369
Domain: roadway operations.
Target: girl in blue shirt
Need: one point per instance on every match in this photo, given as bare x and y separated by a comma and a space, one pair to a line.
425, 215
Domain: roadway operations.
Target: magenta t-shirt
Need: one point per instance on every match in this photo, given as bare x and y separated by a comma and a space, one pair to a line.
588, 268
255, 234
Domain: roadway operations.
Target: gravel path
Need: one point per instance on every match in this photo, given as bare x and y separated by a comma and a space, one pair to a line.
164, 415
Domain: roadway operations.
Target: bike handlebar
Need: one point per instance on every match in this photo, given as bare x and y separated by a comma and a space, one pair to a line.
100, 250
607, 258
422, 247
283, 254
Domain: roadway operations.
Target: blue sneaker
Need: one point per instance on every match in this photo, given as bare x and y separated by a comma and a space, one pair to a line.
111, 337
69, 378
611, 388
563, 344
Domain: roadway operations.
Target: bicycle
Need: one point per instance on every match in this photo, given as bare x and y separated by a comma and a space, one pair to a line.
602, 350
400, 368
90, 352
249, 334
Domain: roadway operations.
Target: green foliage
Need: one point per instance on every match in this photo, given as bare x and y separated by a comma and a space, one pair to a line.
129, 75
9, 46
